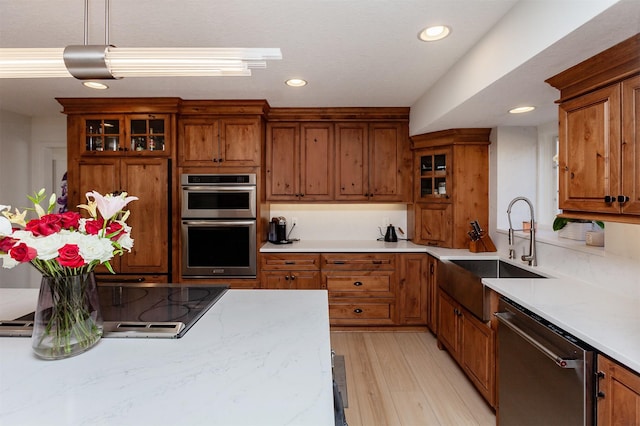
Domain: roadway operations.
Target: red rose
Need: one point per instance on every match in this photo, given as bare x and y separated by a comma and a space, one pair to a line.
6, 243
23, 253
69, 256
92, 227
70, 220
115, 229
46, 225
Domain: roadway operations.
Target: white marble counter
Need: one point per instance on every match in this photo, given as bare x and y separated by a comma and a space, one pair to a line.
343, 246
257, 357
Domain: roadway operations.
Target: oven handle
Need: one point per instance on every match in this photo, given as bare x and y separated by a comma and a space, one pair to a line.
209, 222
216, 188
503, 317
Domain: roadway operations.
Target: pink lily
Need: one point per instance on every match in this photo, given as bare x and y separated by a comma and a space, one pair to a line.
109, 205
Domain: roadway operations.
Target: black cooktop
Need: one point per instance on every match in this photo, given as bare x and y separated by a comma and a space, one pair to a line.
142, 310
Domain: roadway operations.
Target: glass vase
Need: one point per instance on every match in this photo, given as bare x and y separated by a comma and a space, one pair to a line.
67, 318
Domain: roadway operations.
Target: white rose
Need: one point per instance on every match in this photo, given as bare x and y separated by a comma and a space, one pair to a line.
91, 248
47, 247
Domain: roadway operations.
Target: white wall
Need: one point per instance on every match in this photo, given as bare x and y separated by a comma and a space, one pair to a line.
32, 156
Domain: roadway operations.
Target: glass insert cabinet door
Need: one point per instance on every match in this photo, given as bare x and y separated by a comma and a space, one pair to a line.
147, 133
103, 134
433, 174
140, 134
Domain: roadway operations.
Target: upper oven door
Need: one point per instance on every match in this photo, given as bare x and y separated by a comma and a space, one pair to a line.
219, 202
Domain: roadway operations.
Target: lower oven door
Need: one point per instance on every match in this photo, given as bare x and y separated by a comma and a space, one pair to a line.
219, 248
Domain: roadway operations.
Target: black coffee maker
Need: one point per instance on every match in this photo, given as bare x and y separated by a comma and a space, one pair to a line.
278, 230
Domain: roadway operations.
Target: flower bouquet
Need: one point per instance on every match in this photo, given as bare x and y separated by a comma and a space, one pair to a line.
66, 248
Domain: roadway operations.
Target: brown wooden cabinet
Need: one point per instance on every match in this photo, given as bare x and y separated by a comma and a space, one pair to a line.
619, 394
123, 144
599, 152
299, 161
290, 271
362, 288
413, 291
432, 294
147, 179
373, 162
222, 142
451, 185
470, 342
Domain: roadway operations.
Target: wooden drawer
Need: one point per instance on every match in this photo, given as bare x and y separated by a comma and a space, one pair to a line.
290, 262
358, 261
363, 312
371, 284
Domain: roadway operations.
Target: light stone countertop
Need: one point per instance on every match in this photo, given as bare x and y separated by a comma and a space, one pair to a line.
257, 357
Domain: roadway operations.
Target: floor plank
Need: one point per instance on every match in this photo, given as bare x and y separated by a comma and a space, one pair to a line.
402, 378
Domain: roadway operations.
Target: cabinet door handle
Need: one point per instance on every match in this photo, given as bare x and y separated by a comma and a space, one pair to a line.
293, 277
357, 283
623, 198
286, 277
599, 376
609, 199
357, 311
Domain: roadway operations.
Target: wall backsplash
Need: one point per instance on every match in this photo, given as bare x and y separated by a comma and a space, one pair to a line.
341, 221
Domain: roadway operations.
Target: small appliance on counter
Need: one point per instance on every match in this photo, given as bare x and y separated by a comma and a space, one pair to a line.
390, 236
278, 231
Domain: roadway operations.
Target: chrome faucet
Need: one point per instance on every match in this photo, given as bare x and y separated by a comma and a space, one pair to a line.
531, 257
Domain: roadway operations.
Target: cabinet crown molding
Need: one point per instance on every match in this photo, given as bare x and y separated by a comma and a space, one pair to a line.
614, 64
340, 114
451, 137
119, 105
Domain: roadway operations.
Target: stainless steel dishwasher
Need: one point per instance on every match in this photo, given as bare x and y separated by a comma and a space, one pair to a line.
545, 375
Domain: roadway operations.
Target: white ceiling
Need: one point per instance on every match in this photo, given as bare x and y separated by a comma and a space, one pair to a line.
352, 52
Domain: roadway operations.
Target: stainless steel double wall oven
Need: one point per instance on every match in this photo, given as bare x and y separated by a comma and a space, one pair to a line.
218, 225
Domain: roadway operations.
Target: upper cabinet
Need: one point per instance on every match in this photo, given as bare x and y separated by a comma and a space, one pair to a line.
599, 155
299, 161
451, 175
221, 133
120, 127
338, 154
373, 162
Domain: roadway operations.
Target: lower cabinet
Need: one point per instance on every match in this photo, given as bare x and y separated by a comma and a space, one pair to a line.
470, 342
432, 299
619, 394
365, 289
290, 271
362, 288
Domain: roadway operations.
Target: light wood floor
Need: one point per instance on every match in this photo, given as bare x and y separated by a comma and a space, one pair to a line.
402, 378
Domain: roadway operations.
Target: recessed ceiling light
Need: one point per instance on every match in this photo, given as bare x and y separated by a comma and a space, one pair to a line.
296, 82
95, 85
523, 109
437, 32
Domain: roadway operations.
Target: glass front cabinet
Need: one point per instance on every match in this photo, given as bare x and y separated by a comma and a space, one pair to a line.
434, 175
139, 134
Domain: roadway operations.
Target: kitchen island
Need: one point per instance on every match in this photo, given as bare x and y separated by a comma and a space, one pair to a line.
256, 357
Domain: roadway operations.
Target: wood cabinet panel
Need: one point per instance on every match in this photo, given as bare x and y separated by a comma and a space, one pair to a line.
631, 145
358, 262
283, 280
361, 312
290, 271
619, 400
147, 179
589, 157
363, 284
413, 288
351, 160
373, 162
432, 298
434, 223
220, 142
289, 262
299, 161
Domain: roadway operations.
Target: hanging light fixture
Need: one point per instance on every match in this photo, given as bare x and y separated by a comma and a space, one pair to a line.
96, 62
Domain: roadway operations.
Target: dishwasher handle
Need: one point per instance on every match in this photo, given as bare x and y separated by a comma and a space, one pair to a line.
503, 317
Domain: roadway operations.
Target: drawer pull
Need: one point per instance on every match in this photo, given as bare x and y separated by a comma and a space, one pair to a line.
377, 262
357, 283
289, 262
357, 311
338, 262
